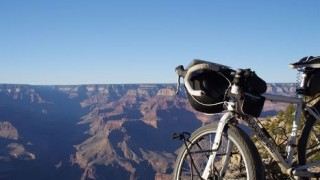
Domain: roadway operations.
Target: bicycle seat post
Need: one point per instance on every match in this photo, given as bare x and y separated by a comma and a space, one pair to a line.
303, 80
302, 86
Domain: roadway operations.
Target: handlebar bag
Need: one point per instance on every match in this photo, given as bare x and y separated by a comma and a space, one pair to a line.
215, 85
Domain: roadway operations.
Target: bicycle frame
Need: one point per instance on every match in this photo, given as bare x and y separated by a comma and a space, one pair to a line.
285, 163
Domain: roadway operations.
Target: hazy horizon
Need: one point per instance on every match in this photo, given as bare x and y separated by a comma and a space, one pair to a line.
117, 84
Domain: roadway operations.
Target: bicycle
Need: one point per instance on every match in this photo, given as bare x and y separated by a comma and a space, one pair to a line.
227, 151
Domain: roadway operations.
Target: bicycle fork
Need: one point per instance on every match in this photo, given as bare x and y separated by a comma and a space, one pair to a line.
218, 137
216, 144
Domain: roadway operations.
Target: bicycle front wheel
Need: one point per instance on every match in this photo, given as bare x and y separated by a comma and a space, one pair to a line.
237, 157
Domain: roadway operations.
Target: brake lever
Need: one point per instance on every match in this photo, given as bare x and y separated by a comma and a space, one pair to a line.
178, 86
181, 73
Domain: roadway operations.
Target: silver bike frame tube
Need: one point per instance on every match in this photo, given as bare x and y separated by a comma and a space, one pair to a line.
267, 142
293, 137
285, 99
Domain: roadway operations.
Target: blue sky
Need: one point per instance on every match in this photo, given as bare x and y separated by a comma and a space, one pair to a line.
142, 41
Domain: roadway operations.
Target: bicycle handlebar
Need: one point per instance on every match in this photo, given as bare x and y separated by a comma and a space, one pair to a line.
204, 65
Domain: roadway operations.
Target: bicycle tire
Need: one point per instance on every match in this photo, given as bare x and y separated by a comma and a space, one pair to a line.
309, 143
246, 149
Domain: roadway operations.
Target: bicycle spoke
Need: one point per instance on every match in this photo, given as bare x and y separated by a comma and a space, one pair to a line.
226, 158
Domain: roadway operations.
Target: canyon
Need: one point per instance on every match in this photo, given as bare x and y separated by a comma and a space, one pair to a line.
120, 131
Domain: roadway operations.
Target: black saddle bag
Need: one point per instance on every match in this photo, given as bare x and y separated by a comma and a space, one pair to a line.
313, 82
